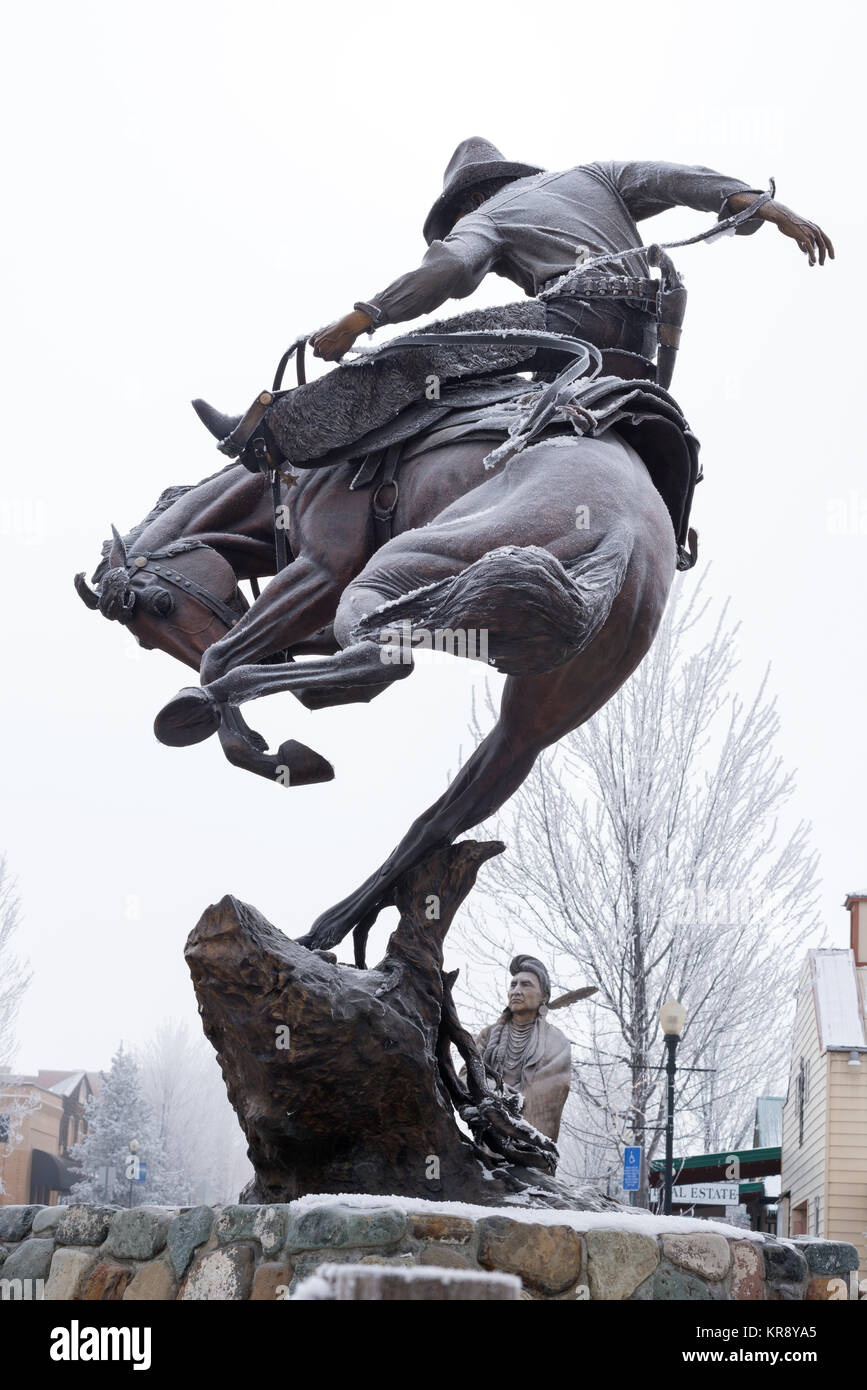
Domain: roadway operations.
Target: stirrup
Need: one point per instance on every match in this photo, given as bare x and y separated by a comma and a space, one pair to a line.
245, 437
252, 441
237, 441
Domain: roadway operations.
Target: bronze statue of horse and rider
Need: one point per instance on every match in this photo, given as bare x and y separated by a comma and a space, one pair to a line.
540, 493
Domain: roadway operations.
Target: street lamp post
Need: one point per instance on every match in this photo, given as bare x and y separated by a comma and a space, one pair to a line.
671, 1019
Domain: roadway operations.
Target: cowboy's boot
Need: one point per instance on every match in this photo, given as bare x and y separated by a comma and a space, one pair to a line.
244, 437
217, 424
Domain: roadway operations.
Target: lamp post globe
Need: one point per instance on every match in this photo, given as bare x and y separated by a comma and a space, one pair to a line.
672, 1016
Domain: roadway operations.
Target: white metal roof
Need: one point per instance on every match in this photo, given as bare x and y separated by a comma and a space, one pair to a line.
835, 992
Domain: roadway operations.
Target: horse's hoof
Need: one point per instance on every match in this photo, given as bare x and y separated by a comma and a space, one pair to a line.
190, 717
319, 940
303, 766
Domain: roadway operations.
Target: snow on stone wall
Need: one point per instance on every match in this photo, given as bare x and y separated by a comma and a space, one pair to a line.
92, 1252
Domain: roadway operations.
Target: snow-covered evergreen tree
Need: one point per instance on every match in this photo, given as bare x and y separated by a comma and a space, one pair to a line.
173, 1101
117, 1116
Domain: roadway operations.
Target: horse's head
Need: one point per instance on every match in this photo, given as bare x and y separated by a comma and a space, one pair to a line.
181, 598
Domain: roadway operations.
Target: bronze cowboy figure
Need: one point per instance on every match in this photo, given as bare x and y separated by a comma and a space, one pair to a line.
542, 231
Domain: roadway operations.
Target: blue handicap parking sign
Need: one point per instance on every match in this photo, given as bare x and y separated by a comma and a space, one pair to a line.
631, 1169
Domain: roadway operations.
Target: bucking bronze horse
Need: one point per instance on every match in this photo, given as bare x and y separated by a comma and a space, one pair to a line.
560, 552
563, 555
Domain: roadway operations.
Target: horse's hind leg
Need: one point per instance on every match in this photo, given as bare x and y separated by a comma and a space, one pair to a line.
528, 612
572, 629
536, 711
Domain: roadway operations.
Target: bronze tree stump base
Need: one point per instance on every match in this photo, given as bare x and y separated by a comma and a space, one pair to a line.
342, 1077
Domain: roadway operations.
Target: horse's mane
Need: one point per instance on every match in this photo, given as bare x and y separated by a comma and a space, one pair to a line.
165, 500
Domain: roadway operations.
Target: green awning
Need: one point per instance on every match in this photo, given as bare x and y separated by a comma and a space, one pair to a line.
753, 1164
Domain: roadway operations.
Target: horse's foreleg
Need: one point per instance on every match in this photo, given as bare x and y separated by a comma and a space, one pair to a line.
363, 665
298, 603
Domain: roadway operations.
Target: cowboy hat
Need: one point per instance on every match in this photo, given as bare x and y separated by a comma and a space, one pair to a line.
473, 162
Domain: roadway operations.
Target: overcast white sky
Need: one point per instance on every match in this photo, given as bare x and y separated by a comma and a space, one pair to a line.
189, 186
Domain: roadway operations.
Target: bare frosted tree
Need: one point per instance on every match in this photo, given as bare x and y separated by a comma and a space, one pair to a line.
646, 853
198, 1132
16, 1100
14, 977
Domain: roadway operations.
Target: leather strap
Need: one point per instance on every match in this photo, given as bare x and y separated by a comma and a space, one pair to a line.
384, 510
233, 444
296, 349
281, 544
370, 466
281, 547
669, 335
140, 564
587, 285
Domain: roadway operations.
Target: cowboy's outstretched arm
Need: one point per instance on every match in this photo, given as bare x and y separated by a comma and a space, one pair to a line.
451, 269
649, 187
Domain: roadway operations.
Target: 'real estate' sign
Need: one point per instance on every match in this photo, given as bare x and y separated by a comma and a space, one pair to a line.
717, 1194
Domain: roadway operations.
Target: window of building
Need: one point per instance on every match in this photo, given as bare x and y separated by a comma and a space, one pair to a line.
5, 1129
803, 1096
798, 1222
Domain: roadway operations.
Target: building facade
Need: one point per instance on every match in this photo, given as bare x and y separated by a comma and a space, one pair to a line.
42, 1117
824, 1135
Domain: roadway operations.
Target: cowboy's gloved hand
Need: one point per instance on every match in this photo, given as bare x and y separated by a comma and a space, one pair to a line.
337, 338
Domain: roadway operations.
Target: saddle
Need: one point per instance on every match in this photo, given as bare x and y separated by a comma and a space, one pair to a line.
467, 358
622, 398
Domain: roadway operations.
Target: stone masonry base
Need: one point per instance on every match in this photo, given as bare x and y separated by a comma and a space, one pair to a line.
101, 1253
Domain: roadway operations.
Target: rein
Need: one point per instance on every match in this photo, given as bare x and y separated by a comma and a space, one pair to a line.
719, 229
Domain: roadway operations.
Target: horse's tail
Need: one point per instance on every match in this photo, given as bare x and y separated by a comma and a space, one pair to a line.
535, 613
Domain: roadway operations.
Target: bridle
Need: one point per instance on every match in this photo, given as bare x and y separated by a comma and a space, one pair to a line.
155, 562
